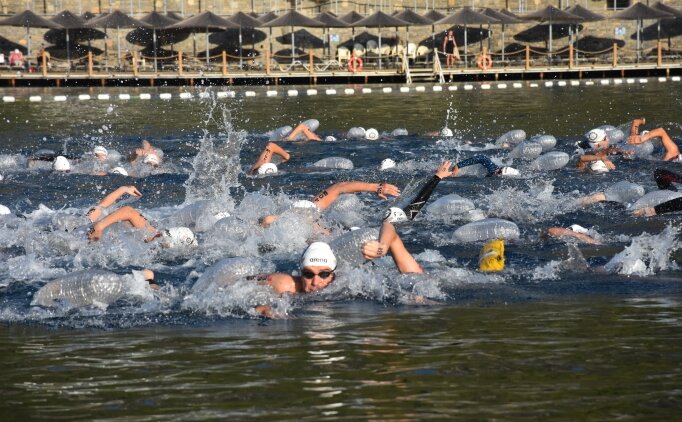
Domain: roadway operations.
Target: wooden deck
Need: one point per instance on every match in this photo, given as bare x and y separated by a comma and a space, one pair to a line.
300, 75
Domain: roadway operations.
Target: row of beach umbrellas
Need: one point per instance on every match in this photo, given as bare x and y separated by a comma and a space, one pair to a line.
172, 27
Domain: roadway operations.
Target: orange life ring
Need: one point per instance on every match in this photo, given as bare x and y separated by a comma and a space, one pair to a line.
484, 62
355, 64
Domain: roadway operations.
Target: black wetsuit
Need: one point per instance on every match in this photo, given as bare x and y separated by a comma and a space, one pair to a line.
669, 206
450, 45
666, 178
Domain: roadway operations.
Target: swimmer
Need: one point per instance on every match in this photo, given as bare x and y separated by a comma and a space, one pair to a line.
61, 164
100, 210
492, 168
667, 180
100, 153
574, 231
672, 151
597, 162
673, 205
266, 156
169, 238
304, 129
326, 198
390, 242
147, 154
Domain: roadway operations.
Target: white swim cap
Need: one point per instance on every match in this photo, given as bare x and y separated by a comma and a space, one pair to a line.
595, 136
395, 215
119, 170
644, 132
599, 167
578, 228
509, 171
4, 210
386, 164
267, 168
179, 236
329, 139
100, 150
372, 134
61, 164
303, 203
318, 254
152, 159
446, 132
221, 215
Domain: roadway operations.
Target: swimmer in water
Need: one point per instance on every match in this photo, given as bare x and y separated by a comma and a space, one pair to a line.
326, 198
492, 168
597, 161
147, 154
168, 238
266, 156
100, 210
672, 151
673, 205
574, 231
302, 128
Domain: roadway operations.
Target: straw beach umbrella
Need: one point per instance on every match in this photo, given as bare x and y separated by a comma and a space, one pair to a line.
639, 12
118, 20
329, 21
587, 15
378, 20
504, 19
208, 21
68, 21
28, 20
552, 15
412, 18
464, 17
351, 18
244, 21
157, 22
292, 18
434, 16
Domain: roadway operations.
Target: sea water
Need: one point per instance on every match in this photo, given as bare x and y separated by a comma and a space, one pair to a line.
546, 338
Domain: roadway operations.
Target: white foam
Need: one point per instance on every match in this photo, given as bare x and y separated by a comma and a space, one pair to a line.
204, 95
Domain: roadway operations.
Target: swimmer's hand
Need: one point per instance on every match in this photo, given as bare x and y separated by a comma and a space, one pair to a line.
644, 212
444, 170
374, 249
387, 189
609, 164
132, 191
95, 233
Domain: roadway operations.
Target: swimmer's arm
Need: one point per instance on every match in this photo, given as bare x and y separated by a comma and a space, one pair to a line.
124, 214
266, 156
327, 197
590, 157
114, 196
663, 208
559, 232
281, 283
389, 241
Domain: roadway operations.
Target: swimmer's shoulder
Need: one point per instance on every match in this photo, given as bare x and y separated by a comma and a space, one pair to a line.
282, 283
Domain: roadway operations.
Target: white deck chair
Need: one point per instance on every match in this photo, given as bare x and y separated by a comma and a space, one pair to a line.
411, 51
423, 53
372, 47
342, 54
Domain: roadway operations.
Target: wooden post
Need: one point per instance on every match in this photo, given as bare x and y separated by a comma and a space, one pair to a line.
660, 56
484, 53
135, 63
527, 57
224, 63
44, 63
267, 62
181, 67
570, 56
615, 54
311, 61
90, 63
